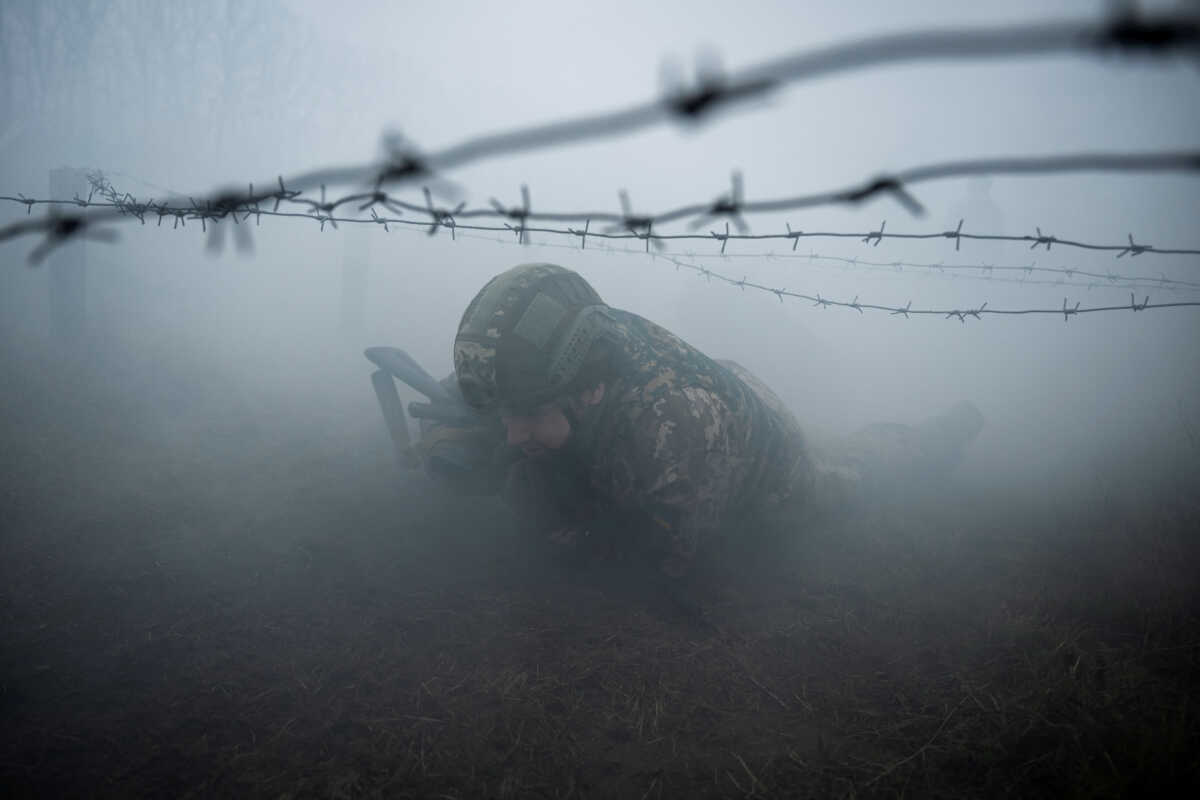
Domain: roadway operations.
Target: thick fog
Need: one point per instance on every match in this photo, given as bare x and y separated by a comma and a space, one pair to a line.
232, 379
163, 97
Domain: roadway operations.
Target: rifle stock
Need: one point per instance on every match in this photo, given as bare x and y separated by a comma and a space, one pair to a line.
393, 416
403, 366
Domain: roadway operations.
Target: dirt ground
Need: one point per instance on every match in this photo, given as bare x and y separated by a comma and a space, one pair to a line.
266, 616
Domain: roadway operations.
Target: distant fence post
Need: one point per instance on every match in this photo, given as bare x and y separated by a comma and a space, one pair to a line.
355, 267
68, 263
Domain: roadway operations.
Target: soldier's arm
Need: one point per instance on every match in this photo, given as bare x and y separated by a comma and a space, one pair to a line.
682, 470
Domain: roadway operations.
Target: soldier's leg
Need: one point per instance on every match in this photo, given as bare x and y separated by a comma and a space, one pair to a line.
887, 456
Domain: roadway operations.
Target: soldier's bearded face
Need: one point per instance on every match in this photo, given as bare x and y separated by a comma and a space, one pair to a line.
545, 429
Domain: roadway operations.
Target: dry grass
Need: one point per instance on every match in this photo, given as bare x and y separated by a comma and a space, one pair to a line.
263, 618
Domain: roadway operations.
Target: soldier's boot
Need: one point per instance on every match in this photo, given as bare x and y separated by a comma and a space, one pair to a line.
887, 457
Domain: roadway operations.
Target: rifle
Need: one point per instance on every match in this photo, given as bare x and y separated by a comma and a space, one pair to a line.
447, 453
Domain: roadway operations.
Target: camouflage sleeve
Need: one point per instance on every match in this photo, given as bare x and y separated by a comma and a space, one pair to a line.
680, 468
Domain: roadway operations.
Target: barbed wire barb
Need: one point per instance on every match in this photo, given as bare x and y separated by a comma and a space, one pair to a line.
956, 234
876, 235
723, 238
582, 234
1040, 239
1134, 249
381, 220
794, 235
726, 205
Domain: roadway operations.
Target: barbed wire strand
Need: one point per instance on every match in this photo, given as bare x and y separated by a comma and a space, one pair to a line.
974, 272
1125, 30
968, 272
961, 314
119, 204
1136, 283
982, 271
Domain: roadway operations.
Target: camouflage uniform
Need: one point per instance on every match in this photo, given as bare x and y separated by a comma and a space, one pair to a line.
679, 446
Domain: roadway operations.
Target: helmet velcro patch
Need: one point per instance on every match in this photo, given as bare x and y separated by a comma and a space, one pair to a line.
540, 319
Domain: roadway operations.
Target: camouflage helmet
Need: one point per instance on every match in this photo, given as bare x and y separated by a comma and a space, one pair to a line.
524, 337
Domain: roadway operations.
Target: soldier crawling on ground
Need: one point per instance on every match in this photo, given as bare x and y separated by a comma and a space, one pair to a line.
602, 427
